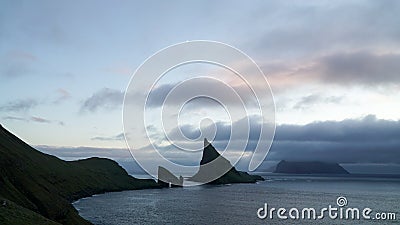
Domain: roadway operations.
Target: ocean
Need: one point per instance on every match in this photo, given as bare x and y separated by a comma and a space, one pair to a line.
239, 203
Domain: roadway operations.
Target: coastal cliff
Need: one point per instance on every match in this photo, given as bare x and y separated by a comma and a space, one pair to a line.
38, 187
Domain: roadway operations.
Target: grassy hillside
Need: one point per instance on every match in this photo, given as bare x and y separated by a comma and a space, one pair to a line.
11, 213
47, 185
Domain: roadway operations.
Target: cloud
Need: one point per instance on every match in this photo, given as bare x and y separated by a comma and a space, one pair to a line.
225, 92
40, 120
223, 130
17, 63
23, 105
367, 129
14, 118
364, 140
302, 29
360, 68
313, 99
118, 137
16, 70
34, 119
21, 55
120, 70
322, 42
63, 95
103, 99
158, 95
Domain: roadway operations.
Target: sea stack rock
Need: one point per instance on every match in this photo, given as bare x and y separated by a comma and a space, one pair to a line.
213, 163
168, 179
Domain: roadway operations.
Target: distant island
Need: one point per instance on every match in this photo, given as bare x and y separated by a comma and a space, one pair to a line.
232, 176
36, 188
292, 167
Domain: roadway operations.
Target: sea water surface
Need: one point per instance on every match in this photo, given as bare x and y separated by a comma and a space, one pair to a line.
238, 203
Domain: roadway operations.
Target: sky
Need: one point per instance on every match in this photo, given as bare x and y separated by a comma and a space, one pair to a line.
333, 67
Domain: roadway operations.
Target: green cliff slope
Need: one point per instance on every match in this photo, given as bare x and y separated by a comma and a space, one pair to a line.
43, 184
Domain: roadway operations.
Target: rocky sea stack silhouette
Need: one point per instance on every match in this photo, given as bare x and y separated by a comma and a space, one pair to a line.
212, 163
168, 179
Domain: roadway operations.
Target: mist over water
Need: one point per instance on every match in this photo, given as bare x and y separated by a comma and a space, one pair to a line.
238, 203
